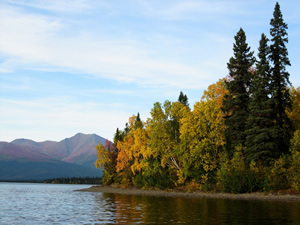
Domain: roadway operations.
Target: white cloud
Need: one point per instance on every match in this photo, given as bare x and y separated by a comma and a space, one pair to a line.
199, 10
54, 119
37, 42
54, 5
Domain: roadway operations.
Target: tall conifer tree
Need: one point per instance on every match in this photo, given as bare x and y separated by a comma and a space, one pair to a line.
280, 77
261, 132
235, 103
138, 122
183, 99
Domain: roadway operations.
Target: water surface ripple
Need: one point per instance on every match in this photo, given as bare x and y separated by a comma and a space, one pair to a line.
22, 203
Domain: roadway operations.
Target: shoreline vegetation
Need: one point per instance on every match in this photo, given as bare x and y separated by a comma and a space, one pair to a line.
242, 136
254, 196
74, 180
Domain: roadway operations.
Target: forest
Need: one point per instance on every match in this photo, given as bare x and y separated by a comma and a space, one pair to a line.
242, 136
74, 180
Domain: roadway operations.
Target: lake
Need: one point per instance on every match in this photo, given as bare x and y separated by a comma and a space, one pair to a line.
24, 203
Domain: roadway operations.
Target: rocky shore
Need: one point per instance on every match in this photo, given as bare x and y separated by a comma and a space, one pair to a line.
171, 193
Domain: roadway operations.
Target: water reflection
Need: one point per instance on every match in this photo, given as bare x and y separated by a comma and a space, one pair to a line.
135, 209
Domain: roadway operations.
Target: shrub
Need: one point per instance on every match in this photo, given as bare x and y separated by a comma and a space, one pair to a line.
233, 175
278, 174
294, 169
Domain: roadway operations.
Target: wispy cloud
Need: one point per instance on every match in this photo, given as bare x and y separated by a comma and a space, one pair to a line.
54, 5
191, 9
57, 116
84, 65
37, 41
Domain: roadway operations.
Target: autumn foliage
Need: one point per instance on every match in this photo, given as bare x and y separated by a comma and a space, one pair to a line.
242, 136
178, 147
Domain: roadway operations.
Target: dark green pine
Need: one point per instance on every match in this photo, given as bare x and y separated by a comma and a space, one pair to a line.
138, 122
235, 103
280, 77
183, 99
118, 136
261, 131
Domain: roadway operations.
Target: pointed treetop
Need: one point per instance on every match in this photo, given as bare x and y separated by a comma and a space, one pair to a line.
183, 99
138, 122
263, 51
240, 46
278, 26
138, 118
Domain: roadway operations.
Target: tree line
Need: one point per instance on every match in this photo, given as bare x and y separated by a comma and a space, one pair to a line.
242, 136
74, 180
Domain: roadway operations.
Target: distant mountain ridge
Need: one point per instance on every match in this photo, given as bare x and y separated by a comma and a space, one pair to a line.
76, 154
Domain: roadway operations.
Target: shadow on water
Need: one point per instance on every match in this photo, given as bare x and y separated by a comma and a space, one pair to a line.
135, 209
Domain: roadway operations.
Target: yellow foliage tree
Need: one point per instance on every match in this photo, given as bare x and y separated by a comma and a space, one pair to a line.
106, 159
202, 133
164, 134
133, 147
294, 169
294, 114
123, 158
139, 149
103, 157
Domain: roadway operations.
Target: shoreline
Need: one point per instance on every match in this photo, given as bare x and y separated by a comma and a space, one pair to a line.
257, 196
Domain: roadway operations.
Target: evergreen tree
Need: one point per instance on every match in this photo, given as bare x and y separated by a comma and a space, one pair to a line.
126, 129
138, 122
183, 99
235, 103
119, 136
280, 77
261, 132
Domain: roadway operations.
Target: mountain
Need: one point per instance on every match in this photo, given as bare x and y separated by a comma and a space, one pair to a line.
79, 149
13, 152
24, 159
39, 171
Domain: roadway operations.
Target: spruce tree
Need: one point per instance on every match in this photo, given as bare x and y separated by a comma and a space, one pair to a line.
183, 99
280, 78
261, 132
138, 122
235, 103
118, 136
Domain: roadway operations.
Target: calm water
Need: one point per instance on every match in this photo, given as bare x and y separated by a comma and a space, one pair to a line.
59, 204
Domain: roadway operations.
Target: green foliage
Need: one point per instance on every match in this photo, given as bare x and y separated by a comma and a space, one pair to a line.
183, 99
233, 175
245, 113
138, 180
261, 133
107, 178
155, 176
75, 180
294, 113
294, 169
295, 142
235, 102
280, 79
107, 160
278, 174
119, 136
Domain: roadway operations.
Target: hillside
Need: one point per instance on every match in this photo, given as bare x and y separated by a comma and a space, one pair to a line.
79, 149
24, 159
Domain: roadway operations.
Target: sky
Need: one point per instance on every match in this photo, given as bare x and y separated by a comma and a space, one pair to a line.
69, 66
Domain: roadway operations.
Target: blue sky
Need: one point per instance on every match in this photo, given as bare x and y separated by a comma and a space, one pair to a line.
87, 66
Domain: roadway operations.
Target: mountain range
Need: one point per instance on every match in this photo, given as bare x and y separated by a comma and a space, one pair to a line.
24, 159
